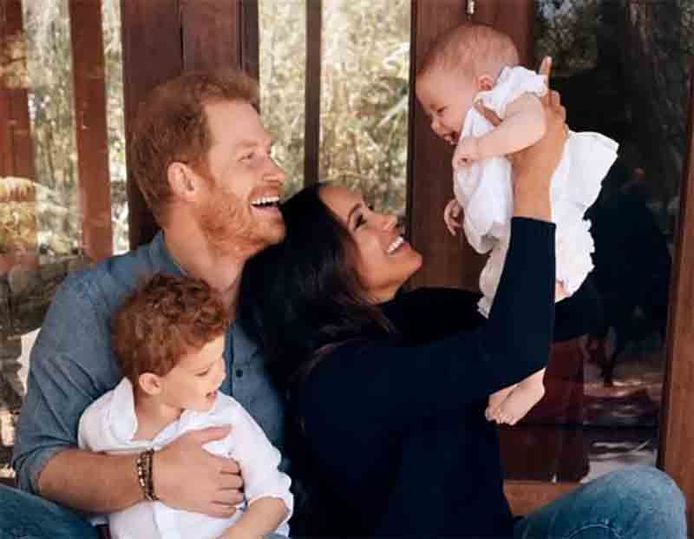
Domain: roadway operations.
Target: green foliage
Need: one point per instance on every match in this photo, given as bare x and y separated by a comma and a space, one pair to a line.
566, 31
364, 92
282, 26
49, 68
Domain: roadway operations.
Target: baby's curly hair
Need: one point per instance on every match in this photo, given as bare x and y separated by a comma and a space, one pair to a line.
163, 320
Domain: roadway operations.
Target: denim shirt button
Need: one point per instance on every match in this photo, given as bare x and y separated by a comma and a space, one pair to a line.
239, 373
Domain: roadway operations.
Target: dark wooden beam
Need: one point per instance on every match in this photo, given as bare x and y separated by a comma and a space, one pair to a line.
152, 53
447, 260
250, 38
210, 34
16, 145
314, 25
90, 129
676, 453
16, 148
513, 17
220, 34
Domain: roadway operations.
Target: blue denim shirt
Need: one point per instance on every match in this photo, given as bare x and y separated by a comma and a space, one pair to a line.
72, 362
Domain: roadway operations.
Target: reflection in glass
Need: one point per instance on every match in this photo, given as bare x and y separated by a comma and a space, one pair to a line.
282, 49
49, 67
621, 70
364, 97
113, 68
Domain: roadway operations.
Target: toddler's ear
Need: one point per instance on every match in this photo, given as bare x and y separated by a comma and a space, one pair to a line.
150, 383
484, 83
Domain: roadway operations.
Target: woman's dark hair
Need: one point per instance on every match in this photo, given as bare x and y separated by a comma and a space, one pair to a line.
302, 295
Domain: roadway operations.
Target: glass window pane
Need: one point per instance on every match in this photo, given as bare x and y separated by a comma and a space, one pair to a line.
113, 66
282, 50
364, 98
621, 68
49, 67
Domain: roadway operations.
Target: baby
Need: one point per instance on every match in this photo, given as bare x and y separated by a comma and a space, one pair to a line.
477, 64
169, 341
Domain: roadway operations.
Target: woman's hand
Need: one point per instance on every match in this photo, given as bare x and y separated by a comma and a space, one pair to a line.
533, 166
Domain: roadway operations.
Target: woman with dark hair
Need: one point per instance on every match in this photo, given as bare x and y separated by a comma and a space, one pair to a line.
388, 393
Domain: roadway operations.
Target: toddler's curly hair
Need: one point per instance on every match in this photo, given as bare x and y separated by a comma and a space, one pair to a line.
162, 321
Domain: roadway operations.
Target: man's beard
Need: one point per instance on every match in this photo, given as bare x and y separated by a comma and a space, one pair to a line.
231, 230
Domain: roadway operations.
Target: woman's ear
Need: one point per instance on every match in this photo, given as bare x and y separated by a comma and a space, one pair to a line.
150, 383
484, 83
182, 180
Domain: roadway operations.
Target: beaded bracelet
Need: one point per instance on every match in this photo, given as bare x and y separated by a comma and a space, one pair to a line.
144, 468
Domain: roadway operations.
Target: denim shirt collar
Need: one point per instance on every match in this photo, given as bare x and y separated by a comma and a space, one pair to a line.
161, 258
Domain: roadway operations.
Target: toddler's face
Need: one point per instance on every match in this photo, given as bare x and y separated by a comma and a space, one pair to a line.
193, 383
445, 97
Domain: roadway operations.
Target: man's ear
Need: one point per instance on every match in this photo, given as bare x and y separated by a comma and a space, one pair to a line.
484, 83
182, 180
150, 383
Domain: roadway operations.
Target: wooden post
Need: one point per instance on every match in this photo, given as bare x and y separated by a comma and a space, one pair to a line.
152, 53
429, 165
210, 34
16, 148
90, 128
314, 26
513, 17
676, 453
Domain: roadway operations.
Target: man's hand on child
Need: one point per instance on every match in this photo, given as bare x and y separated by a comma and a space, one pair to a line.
467, 151
452, 216
217, 485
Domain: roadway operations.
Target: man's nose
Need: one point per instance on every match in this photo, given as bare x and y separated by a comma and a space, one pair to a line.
390, 222
275, 172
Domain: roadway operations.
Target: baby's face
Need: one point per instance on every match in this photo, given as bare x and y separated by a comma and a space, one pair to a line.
445, 97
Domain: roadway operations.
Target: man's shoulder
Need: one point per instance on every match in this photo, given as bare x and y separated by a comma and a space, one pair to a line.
106, 283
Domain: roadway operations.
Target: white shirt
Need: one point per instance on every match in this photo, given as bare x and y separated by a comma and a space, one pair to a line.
485, 192
109, 424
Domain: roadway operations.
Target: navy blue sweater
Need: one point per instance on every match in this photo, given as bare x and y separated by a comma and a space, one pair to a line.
394, 432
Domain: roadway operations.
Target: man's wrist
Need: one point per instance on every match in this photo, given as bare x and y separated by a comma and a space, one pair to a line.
144, 466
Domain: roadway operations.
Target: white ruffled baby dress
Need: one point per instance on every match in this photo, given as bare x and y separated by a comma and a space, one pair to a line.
484, 190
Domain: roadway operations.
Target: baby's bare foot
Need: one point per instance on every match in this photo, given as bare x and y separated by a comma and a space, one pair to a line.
519, 402
495, 400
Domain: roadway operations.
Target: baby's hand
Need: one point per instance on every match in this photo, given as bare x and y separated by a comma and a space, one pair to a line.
467, 151
451, 216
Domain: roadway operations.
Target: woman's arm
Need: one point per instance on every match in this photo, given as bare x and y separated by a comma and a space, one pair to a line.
389, 386
429, 313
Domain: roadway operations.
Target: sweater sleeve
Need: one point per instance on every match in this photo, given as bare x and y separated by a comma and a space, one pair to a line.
385, 385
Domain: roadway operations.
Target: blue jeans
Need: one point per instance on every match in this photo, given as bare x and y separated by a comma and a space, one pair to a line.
25, 516
637, 502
